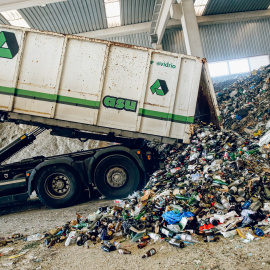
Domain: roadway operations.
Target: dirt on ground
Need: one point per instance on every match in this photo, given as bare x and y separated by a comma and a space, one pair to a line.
32, 217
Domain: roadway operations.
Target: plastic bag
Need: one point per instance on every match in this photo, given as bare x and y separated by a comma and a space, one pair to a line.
171, 217
35, 237
265, 139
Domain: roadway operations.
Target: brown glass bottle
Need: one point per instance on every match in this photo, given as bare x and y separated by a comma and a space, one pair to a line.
142, 245
123, 251
149, 253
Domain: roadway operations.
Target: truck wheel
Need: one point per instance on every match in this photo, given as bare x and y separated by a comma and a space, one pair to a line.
57, 186
116, 176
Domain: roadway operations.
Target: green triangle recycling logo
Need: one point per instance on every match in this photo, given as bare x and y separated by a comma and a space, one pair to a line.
160, 88
8, 45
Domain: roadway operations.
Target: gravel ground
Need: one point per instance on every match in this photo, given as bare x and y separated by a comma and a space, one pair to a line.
33, 217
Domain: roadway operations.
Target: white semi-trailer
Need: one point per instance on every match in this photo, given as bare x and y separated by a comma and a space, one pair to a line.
87, 88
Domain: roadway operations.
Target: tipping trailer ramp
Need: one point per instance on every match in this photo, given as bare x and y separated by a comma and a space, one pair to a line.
19, 144
102, 87
14, 189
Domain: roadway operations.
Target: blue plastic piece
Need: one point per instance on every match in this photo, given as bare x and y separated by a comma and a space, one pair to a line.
259, 232
171, 217
246, 204
103, 234
238, 117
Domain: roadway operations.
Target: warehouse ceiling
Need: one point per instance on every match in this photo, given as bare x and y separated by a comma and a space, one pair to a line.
79, 16
69, 17
214, 7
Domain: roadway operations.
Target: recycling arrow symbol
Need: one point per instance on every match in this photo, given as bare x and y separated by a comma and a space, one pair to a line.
8, 45
160, 88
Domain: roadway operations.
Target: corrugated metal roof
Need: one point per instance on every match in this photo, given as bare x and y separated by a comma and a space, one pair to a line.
136, 11
231, 6
140, 39
3, 20
173, 41
69, 17
225, 41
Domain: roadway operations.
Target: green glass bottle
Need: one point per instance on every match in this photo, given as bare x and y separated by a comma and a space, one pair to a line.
220, 182
138, 217
124, 215
80, 226
192, 198
181, 197
167, 232
232, 156
252, 151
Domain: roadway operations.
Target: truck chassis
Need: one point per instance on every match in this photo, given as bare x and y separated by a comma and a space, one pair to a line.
116, 171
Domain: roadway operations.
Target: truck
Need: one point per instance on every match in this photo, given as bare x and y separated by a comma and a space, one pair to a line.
86, 88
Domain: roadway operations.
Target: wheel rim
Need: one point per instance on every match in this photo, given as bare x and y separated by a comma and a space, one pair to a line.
116, 177
57, 185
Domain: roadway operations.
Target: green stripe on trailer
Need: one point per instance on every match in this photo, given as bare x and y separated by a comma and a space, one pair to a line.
182, 119
155, 114
78, 102
49, 97
35, 95
166, 116
7, 90
91, 104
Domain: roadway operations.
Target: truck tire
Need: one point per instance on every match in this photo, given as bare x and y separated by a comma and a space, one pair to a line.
116, 176
57, 186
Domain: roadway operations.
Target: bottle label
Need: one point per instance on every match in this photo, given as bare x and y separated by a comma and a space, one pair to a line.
210, 238
164, 231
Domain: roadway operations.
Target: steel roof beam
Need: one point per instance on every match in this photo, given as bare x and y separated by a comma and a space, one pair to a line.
7, 5
160, 20
118, 31
191, 29
233, 17
202, 20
